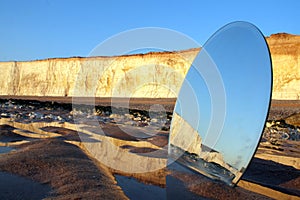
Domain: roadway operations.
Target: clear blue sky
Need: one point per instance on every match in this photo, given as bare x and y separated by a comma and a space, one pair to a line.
61, 28
238, 51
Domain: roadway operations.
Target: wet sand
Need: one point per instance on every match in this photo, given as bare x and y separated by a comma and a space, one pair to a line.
63, 167
5, 149
50, 152
26, 188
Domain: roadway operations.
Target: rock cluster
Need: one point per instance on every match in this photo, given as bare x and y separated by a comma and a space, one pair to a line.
279, 130
27, 112
33, 112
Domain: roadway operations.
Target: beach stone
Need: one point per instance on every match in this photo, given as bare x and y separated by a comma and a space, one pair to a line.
137, 119
5, 115
154, 120
129, 116
293, 120
116, 116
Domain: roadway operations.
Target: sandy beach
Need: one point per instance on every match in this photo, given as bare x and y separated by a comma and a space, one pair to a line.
40, 144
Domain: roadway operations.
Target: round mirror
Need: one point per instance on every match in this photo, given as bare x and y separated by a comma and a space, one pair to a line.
223, 103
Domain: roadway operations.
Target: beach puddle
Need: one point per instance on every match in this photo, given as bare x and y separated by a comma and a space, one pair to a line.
17, 187
5, 149
134, 189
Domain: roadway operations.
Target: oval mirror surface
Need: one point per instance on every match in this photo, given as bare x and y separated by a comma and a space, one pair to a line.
222, 106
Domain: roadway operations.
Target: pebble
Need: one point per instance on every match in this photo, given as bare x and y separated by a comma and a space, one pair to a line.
137, 119
114, 116
154, 120
129, 116
4, 115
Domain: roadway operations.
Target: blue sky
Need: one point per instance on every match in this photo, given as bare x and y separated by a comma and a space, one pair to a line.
239, 54
62, 28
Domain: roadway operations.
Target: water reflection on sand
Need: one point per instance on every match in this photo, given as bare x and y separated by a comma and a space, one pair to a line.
126, 142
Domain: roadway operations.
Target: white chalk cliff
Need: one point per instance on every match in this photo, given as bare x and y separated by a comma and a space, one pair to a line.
150, 75
144, 75
285, 53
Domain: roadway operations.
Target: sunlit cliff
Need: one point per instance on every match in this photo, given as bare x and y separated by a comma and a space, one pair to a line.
142, 75
285, 53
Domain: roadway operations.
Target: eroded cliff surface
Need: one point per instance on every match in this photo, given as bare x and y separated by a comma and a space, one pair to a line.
157, 75
150, 75
285, 53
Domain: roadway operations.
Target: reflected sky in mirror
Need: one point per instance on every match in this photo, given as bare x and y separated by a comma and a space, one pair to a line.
226, 93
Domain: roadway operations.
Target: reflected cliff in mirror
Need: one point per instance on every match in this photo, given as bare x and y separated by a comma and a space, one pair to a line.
223, 103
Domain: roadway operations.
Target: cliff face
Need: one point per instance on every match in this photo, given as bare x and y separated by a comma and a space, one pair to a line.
149, 75
285, 52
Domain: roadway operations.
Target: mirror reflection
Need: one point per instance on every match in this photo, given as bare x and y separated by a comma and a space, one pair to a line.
223, 103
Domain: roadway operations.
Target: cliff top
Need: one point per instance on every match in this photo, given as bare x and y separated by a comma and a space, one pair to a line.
115, 56
283, 36
284, 43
